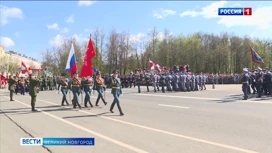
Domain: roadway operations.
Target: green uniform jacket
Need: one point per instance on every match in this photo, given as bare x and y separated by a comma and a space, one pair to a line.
33, 83
11, 83
116, 85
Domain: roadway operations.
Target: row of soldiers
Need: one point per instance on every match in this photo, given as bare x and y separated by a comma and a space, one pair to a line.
87, 85
168, 80
259, 80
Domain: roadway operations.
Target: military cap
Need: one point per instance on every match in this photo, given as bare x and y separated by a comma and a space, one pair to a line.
115, 72
98, 73
245, 69
75, 72
63, 74
259, 68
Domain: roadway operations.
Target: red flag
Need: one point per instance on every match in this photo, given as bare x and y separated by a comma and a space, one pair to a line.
87, 67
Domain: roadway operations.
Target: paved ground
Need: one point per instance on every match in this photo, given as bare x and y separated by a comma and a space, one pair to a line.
211, 121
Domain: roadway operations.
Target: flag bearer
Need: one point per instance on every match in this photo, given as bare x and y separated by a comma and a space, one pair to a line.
87, 85
75, 86
100, 86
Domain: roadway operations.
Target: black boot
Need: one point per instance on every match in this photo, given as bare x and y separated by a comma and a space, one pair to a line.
90, 103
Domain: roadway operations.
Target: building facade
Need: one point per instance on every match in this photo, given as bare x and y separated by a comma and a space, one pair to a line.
12, 57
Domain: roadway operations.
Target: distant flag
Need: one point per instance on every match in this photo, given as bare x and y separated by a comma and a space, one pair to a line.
71, 65
25, 68
152, 65
88, 60
255, 56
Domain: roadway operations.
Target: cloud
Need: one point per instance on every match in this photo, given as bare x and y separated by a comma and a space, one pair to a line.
65, 30
140, 37
17, 34
59, 40
85, 2
6, 42
161, 14
7, 13
261, 18
54, 26
70, 19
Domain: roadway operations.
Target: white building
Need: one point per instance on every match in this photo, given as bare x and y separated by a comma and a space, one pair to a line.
8, 57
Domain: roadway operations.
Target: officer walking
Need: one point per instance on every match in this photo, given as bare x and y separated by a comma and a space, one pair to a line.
99, 88
245, 83
64, 89
33, 90
116, 90
75, 85
11, 84
138, 81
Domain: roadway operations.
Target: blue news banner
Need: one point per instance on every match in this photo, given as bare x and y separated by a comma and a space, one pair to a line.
231, 11
57, 141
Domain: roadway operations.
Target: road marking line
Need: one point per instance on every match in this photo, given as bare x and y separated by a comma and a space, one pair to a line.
173, 106
89, 131
164, 132
201, 98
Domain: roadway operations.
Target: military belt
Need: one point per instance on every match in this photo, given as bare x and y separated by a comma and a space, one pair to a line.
87, 84
115, 87
245, 82
75, 85
99, 85
64, 86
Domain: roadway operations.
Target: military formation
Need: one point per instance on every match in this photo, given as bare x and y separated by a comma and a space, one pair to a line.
257, 81
76, 90
164, 81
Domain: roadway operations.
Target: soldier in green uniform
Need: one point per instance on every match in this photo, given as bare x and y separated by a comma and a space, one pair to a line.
75, 85
33, 91
100, 86
50, 83
138, 81
64, 89
11, 88
87, 86
44, 83
116, 91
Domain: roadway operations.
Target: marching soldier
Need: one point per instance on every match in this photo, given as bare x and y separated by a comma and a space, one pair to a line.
245, 83
163, 81
259, 81
147, 80
155, 80
64, 89
99, 88
11, 84
75, 85
33, 91
138, 81
116, 90
87, 85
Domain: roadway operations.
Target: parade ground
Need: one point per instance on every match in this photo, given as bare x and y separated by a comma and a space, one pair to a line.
210, 121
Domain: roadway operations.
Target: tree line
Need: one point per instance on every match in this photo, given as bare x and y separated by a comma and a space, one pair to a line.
223, 53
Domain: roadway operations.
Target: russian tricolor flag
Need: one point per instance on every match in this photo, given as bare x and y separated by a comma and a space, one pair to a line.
71, 65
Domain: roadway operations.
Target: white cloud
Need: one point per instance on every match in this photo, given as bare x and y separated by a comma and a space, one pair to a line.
54, 26
140, 37
57, 41
161, 14
261, 18
70, 19
85, 2
8, 13
6, 42
17, 34
65, 30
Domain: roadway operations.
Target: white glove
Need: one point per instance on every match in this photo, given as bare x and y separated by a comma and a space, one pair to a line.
58, 92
